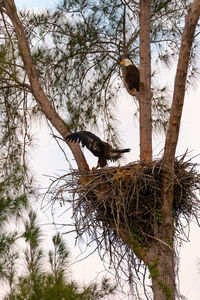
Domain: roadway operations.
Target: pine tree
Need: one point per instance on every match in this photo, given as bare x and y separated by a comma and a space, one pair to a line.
39, 283
80, 67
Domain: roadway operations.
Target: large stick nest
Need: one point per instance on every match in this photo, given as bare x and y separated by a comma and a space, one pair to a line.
106, 200
132, 195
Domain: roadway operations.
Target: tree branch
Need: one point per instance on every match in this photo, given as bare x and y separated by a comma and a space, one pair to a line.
179, 85
145, 82
36, 88
176, 108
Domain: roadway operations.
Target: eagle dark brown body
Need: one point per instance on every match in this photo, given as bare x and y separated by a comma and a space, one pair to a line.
131, 75
102, 150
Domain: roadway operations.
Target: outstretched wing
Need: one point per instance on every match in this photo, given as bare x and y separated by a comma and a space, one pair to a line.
88, 139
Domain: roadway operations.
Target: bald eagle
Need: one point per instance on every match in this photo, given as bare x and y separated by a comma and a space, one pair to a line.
131, 76
102, 150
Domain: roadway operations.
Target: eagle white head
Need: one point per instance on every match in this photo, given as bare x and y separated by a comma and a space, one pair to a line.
126, 62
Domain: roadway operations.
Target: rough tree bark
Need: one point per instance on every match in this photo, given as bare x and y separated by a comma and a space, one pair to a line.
164, 256
145, 83
160, 257
179, 86
36, 89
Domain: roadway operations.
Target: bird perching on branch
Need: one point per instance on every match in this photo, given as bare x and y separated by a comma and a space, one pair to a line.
131, 76
102, 150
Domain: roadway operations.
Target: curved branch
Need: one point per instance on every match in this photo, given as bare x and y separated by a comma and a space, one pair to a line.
36, 88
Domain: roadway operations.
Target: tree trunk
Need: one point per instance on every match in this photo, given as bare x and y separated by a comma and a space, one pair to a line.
160, 256
36, 88
179, 85
160, 261
167, 257
145, 82
163, 284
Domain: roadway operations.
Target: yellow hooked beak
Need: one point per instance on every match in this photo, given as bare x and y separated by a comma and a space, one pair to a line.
121, 62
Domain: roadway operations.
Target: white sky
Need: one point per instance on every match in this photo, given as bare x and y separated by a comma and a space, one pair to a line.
48, 160
36, 3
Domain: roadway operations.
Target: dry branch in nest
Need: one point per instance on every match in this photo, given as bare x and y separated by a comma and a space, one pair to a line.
129, 197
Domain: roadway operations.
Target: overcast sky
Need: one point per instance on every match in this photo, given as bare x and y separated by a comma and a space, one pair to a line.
48, 160
36, 3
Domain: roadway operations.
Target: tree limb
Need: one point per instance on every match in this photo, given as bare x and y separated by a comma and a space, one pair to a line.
36, 88
180, 82
177, 103
145, 83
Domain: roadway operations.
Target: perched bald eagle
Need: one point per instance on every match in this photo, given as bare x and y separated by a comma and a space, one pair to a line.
131, 76
102, 150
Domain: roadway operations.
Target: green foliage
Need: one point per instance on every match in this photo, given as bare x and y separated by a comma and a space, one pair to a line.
159, 215
153, 269
15, 180
166, 289
137, 237
155, 273
38, 282
77, 49
7, 256
58, 259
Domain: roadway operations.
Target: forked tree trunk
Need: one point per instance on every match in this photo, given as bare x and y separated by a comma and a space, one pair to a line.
177, 103
160, 256
145, 83
36, 88
166, 258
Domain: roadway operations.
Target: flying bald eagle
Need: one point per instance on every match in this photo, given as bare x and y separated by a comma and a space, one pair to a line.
102, 150
131, 76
